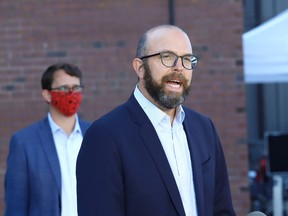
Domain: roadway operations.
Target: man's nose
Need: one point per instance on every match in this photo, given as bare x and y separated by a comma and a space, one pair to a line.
178, 63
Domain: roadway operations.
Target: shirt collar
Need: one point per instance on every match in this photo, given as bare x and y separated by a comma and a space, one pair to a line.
55, 128
153, 112
180, 114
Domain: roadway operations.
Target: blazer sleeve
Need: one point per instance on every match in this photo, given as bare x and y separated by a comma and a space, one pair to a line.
16, 180
223, 200
99, 178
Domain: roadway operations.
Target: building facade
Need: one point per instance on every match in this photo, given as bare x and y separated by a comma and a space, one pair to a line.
101, 37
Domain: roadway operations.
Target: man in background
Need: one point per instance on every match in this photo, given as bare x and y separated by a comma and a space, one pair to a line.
40, 177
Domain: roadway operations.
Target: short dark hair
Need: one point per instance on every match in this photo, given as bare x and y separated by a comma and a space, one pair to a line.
141, 47
48, 75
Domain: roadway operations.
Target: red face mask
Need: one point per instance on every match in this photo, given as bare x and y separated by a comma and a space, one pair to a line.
66, 103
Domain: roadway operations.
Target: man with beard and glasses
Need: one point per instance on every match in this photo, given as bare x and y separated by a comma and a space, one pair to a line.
152, 156
40, 178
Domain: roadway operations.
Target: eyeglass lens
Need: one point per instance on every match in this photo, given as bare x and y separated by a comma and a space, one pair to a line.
169, 59
64, 88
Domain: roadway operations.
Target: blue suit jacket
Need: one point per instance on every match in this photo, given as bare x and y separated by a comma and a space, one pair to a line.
122, 169
33, 177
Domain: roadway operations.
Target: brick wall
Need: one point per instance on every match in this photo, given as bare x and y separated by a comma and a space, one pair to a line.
100, 37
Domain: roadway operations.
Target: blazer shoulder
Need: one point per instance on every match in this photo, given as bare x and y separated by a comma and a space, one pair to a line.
84, 122
195, 115
116, 114
198, 121
84, 125
31, 135
30, 129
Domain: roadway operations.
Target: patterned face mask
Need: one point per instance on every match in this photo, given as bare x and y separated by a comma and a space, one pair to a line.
66, 103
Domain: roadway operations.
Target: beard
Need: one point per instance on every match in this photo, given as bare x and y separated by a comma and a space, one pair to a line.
167, 100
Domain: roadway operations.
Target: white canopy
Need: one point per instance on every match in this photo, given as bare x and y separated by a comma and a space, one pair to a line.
265, 50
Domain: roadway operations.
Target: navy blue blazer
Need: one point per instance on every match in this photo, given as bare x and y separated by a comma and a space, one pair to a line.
33, 177
122, 169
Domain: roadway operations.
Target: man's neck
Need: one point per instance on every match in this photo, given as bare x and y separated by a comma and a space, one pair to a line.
169, 112
66, 123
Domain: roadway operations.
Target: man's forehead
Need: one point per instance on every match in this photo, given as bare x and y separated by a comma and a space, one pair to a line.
164, 31
168, 39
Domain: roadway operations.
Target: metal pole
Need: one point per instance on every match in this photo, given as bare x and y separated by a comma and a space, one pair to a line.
277, 195
171, 12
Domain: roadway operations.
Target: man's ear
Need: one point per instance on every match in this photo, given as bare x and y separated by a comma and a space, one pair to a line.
138, 67
46, 95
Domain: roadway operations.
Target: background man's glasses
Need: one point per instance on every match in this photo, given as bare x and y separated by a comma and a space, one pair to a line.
67, 89
169, 59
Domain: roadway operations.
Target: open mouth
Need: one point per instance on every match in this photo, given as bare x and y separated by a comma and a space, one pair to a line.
174, 83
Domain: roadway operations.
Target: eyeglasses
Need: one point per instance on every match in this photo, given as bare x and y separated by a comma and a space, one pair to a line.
169, 59
67, 89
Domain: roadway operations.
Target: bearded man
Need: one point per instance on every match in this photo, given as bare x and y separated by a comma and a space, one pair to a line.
152, 156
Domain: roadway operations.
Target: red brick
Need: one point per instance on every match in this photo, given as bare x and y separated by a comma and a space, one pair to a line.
101, 38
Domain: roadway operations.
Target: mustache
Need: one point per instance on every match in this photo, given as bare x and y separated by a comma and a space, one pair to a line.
174, 76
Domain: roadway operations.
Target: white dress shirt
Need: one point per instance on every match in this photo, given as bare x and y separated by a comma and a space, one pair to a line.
175, 145
67, 149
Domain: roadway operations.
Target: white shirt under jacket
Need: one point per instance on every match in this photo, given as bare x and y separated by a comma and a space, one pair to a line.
67, 149
174, 143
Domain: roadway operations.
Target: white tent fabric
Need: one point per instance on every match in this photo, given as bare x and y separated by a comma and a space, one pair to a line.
265, 51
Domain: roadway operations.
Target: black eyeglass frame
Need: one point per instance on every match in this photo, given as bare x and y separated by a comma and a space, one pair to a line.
194, 58
67, 89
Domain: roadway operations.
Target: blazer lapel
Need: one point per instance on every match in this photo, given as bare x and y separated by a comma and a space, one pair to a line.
196, 164
47, 141
84, 126
151, 140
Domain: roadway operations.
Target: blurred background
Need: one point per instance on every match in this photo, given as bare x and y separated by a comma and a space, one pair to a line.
100, 37
265, 55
